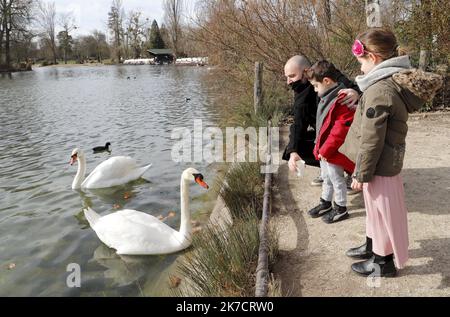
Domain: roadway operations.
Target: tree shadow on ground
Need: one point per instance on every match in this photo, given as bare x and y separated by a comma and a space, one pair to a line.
427, 190
439, 252
283, 193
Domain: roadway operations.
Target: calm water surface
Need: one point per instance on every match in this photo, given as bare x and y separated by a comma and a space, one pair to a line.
45, 114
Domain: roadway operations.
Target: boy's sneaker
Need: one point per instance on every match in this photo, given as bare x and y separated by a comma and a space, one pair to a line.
338, 213
321, 209
318, 181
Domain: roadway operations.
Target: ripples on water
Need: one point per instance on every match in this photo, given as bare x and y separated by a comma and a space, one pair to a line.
44, 115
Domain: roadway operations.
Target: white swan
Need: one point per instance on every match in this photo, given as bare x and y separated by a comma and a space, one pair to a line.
132, 232
114, 171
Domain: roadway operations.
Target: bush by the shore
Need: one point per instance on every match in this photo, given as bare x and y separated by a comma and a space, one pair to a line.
243, 190
223, 261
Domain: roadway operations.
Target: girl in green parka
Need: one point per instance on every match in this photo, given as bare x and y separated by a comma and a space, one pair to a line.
376, 143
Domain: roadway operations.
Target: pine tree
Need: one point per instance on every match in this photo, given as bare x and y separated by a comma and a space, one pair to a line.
156, 40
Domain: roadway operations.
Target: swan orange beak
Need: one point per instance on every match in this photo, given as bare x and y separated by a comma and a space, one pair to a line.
73, 159
199, 180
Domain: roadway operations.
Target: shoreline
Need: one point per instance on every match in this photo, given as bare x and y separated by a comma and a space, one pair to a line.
102, 64
15, 71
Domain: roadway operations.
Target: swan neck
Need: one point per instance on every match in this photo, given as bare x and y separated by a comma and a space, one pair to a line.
185, 228
79, 178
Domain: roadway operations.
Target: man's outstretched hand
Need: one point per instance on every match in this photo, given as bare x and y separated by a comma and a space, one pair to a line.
293, 162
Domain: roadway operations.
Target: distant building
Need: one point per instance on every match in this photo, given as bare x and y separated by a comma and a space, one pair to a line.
162, 56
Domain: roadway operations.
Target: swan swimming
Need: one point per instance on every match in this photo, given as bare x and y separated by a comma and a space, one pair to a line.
115, 171
132, 232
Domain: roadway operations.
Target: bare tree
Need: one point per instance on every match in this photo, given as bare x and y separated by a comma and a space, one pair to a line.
115, 25
67, 22
15, 17
101, 46
136, 29
5, 30
173, 10
241, 32
47, 23
3, 26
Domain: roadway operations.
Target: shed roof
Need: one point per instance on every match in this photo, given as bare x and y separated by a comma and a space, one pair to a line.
158, 51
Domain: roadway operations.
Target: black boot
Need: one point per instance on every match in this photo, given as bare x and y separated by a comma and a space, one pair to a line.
362, 252
376, 266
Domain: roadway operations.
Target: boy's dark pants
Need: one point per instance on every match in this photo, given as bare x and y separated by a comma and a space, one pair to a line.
306, 150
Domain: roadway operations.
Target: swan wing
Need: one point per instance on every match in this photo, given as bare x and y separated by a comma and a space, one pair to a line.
133, 232
114, 171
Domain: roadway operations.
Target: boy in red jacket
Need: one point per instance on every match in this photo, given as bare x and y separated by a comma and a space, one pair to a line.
333, 122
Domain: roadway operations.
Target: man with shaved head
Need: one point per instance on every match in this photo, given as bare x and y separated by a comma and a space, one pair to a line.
303, 130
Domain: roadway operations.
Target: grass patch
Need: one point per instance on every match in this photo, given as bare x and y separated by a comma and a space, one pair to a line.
223, 261
243, 189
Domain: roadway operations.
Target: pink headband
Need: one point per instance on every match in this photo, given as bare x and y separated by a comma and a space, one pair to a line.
358, 49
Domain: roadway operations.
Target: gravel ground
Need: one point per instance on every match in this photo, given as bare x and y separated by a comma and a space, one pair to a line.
313, 261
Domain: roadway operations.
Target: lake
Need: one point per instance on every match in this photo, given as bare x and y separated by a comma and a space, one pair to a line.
47, 113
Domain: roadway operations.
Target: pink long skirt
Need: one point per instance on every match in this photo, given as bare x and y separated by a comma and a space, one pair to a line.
386, 221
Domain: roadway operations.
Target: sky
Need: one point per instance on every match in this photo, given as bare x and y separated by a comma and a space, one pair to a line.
93, 14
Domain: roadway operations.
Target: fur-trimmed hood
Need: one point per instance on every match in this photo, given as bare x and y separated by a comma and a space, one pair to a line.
417, 87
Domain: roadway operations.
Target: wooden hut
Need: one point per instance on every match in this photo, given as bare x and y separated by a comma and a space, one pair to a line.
162, 56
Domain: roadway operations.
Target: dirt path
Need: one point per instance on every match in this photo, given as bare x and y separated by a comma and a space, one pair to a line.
313, 261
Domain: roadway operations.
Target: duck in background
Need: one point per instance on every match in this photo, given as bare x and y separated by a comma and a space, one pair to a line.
100, 149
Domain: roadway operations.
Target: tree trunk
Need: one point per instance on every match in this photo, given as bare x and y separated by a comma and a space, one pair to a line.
99, 55
118, 45
2, 27
425, 51
54, 52
173, 12
126, 47
424, 59
7, 32
258, 89
373, 12
1, 47
7, 49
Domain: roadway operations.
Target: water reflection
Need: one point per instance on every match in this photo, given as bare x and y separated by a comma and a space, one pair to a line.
114, 196
126, 270
45, 115
4, 75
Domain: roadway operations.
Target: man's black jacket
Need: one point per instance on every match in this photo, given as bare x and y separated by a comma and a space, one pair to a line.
305, 111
